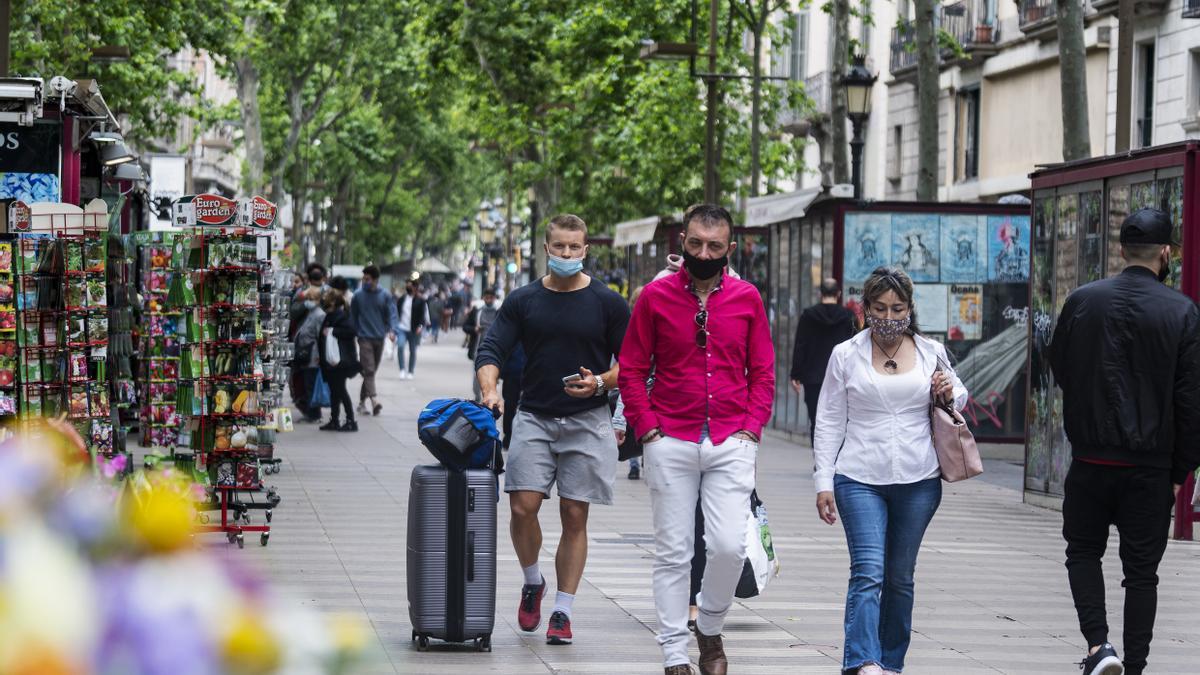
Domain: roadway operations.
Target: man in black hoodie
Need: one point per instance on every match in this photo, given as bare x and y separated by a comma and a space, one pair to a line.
820, 328
1126, 353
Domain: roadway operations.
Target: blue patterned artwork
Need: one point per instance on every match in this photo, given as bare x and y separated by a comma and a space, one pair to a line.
963, 248
29, 187
915, 243
1008, 248
867, 244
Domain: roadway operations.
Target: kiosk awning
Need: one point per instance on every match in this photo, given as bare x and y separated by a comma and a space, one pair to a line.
633, 232
762, 211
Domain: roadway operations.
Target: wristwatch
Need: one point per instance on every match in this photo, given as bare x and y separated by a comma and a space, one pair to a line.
599, 386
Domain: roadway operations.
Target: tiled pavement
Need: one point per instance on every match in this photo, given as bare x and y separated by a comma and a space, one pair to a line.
991, 589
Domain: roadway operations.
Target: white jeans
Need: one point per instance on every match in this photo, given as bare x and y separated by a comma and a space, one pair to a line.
722, 477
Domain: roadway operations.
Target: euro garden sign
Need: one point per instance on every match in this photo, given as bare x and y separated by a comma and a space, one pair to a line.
209, 210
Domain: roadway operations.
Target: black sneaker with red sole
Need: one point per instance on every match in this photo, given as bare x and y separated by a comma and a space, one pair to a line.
529, 612
559, 632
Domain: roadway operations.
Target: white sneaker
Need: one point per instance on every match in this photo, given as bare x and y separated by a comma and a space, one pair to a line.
362, 408
870, 669
404, 375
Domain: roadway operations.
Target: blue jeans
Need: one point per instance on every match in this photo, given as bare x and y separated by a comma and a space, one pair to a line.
410, 340
884, 526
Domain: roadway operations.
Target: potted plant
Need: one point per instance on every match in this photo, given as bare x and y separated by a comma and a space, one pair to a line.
983, 32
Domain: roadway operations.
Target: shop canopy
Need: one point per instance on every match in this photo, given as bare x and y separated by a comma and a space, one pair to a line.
639, 231
777, 208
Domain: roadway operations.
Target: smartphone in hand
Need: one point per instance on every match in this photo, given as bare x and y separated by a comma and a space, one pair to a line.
571, 378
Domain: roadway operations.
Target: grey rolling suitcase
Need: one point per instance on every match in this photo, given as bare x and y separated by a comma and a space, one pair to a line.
452, 555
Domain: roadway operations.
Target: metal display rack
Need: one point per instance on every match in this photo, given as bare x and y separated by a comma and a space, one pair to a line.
223, 390
60, 322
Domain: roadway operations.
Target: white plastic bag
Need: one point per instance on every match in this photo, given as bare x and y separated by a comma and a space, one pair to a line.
333, 355
760, 551
389, 350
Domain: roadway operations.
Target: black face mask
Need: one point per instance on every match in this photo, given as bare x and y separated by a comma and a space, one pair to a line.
1165, 270
704, 269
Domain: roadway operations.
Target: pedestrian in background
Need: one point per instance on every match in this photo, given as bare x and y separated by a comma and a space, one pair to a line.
337, 323
706, 336
571, 326
436, 304
820, 328
475, 327
447, 309
307, 357
1126, 353
374, 317
299, 307
414, 316
875, 462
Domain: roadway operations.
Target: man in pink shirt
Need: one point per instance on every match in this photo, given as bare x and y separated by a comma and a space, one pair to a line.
706, 335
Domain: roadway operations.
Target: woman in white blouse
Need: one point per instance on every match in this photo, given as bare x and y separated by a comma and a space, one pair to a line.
875, 463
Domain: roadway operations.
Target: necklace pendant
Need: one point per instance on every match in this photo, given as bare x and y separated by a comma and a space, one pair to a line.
890, 367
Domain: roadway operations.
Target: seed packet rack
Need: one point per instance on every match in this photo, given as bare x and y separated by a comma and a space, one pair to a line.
221, 377
60, 319
159, 342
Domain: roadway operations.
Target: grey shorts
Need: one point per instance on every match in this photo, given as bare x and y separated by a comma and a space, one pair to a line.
579, 452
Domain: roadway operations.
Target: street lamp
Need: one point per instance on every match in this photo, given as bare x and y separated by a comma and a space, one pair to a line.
858, 82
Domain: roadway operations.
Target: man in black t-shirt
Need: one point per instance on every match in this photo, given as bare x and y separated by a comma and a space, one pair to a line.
570, 326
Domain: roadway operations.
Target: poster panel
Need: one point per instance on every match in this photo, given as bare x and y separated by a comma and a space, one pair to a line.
966, 312
915, 243
1008, 248
963, 248
931, 307
867, 245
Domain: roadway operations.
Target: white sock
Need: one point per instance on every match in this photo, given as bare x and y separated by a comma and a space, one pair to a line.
533, 576
562, 603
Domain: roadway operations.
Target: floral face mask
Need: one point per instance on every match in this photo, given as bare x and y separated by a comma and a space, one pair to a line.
888, 330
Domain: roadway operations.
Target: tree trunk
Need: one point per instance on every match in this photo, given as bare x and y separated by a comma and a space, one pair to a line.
756, 104
927, 102
1073, 77
839, 141
247, 88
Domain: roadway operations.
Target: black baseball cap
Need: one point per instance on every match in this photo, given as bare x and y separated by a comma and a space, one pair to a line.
1147, 226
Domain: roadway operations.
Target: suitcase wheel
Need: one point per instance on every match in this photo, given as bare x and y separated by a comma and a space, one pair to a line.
422, 643
484, 644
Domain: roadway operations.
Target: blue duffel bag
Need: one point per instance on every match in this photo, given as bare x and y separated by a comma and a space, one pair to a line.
461, 434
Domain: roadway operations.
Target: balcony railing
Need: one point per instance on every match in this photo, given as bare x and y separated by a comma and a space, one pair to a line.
1191, 9
904, 52
1037, 12
817, 88
1141, 8
965, 21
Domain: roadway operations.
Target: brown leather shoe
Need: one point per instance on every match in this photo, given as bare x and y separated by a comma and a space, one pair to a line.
683, 669
712, 654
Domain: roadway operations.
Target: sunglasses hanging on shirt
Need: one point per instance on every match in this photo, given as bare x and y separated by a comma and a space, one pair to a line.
702, 331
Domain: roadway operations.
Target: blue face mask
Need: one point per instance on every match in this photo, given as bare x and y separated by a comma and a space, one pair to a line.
564, 267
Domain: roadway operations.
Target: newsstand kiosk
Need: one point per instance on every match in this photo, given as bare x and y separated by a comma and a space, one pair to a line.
1078, 208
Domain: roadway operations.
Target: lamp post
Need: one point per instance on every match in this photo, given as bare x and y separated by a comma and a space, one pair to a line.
858, 82
487, 235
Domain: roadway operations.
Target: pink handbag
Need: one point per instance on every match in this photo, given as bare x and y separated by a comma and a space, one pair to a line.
958, 456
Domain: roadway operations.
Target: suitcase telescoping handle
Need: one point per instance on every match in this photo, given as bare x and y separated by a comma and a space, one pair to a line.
471, 555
